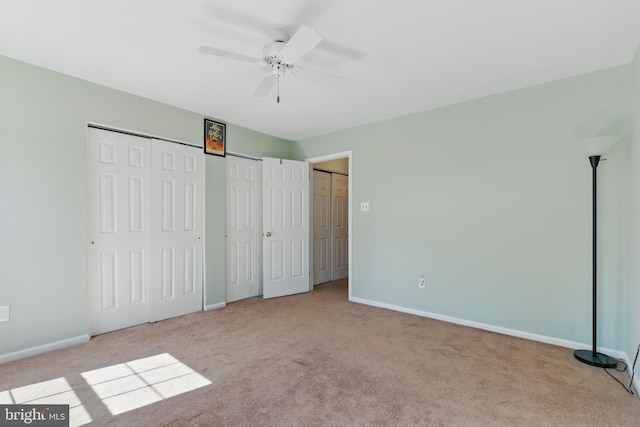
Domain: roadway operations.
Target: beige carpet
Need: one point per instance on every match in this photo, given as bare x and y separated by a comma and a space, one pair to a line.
317, 360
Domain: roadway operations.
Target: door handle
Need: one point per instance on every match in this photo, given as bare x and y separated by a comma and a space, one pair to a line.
268, 234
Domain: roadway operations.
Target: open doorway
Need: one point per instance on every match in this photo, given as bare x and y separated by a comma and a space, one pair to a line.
332, 243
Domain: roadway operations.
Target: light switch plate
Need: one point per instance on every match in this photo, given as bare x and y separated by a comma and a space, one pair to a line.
364, 206
4, 313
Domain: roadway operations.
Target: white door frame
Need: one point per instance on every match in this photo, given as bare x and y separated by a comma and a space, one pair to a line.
336, 156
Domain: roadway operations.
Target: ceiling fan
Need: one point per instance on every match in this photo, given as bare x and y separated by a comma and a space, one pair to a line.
281, 56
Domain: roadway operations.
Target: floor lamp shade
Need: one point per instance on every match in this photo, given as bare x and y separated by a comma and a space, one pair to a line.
594, 148
597, 146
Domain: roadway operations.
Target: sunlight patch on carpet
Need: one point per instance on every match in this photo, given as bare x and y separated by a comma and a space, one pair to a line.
131, 385
52, 392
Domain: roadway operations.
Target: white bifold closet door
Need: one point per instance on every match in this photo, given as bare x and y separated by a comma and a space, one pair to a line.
176, 249
244, 224
119, 170
145, 229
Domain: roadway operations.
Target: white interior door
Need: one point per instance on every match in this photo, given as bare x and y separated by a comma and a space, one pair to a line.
243, 228
321, 227
340, 226
119, 180
285, 189
177, 228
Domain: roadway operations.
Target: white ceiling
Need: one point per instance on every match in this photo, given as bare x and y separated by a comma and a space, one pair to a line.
398, 57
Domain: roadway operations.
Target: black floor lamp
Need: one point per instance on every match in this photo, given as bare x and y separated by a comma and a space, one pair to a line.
595, 148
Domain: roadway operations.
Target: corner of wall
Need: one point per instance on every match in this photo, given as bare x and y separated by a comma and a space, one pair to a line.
632, 336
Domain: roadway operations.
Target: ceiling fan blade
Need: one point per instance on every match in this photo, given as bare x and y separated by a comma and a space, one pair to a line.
319, 77
266, 85
226, 54
300, 44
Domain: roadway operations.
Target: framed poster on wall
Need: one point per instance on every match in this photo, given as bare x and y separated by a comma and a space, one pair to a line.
215, 134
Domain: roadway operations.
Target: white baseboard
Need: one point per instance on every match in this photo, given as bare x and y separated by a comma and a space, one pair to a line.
636, 380
33, 351
215, 306
28, 352
500, 330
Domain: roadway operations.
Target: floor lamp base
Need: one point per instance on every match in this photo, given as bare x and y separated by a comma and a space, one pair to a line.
598, 359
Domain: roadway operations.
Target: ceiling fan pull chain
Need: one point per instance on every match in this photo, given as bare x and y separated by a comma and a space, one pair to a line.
278, 98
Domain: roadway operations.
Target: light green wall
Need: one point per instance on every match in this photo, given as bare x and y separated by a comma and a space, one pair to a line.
490, 200
632, 295
43, 194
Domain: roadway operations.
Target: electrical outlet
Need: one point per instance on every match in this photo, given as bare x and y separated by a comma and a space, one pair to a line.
422, 281
364, 207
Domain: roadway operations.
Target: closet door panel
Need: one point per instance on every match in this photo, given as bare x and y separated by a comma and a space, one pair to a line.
118, 167
340, 226
177, 229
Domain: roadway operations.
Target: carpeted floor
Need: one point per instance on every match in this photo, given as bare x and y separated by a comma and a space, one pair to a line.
318, 360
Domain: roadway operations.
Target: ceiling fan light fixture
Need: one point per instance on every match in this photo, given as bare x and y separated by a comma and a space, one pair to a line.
280, 55
279, 36
272, 50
